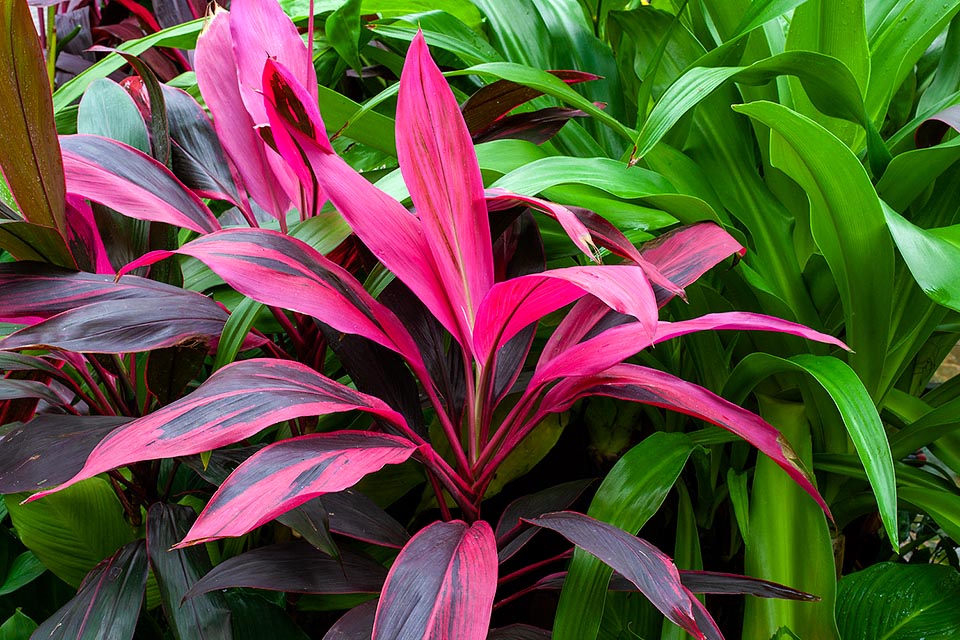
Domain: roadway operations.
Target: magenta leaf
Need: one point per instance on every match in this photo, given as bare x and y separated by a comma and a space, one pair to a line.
653, 573
107, 605
131, 182
279, 270
217, 77
393, 234
501, 198
50, 449
441, 585
236, 402
294, 567
288, 473
649, 386
440, 169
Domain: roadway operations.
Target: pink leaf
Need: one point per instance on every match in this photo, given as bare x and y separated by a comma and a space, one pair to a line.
653, 573
579, 234
392, 233
236, 402
288, 473
649, 386
441, 586
133, 183
440, 169
217, 77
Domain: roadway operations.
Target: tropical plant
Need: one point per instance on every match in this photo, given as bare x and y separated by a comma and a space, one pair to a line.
461, 286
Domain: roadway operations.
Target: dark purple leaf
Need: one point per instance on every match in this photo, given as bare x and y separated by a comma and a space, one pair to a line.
236, 402
29, 241
518, 632
206, 617
49, 449
352, 514
11, 389
931, 131
441, 585
131, 182
11, 361
534, 126
288, 473
510, 532
644, 565
189, 320
171, 369
499, 98
107, 605
356, 624
294, 567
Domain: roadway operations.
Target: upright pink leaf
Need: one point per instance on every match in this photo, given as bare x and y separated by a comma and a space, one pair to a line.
133, 183
620, 342
440, 169
441, 586
236, 402
216, 68
288, 473
393, 234
649, 386
644, 565
281, 271
513, 304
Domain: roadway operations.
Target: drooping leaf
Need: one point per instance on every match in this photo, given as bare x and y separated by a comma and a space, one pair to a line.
640, 562
356, 624
294, 567
354, 515
131, 182
29, 156
899, 602
511, 535
288, 473
25, 568
441, 585
205, 617
49, 449
74, 531
234, 403
108, 602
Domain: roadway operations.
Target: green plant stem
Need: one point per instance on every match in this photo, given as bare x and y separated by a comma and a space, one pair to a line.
51, 44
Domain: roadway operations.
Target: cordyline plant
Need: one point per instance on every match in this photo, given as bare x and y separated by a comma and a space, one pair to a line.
454, 338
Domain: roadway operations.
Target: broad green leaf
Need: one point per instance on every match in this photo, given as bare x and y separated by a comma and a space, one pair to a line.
442, 31
910, 173
74, 530
29, 154
107, 110
763, 11
19, 626
803, 555
931, 259
610, 175
846, 219
25, 568
630, 494
342, 29
182, 36
513, 28
947, 77
943, 506
900, 602
856, 408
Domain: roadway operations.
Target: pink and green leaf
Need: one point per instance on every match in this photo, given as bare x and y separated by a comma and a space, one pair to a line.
441, 585
653, 387
131, 182
288, 473
236, 402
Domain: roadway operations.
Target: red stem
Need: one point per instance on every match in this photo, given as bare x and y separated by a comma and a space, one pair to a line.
519, 573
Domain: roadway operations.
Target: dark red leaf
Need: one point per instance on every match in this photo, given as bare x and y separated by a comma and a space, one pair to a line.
356, 624
441, 585
518, 632
512, 534
108, 602
352, 514
534, 126
294, 567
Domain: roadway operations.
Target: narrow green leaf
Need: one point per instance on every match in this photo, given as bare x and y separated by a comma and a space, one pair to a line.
25, 569
859, 415
235, 330
442, 31
342, 29
762, 11
740, 499
900, 602
943, 506
630, 494
846, 220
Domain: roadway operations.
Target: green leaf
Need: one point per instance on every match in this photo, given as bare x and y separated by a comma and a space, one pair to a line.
71, 531
942, 506
610, 175
107, 110
29, 151
762, 11
25, 569
932, 260
900, 602
17, 627
740, 499
910, 173
846, 219
630, 494
442, 31
342, 29
28, 241
859, 415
